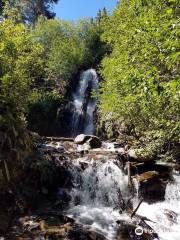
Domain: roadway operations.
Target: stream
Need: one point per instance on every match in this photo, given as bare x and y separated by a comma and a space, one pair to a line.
167, 229
100, 189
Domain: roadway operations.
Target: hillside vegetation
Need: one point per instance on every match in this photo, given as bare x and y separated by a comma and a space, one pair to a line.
141, 86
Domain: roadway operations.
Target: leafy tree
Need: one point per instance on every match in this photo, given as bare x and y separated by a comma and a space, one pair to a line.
62, 51
20, 61
89, 32
141, 86
30, 10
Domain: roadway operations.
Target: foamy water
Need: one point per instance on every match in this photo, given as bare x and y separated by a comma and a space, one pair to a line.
98, 193
166, 229
97, 196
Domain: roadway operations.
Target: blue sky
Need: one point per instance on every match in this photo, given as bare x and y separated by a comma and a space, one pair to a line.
74, 9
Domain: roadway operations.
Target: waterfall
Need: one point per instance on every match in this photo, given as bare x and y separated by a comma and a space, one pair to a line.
98, 195
84, 104
99, 192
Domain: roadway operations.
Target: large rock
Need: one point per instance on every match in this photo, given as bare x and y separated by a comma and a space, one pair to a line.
150, 186
81, 139
92, 140
127, 230
147, 176
165, 172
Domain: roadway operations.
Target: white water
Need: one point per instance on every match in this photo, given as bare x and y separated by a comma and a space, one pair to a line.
84, 105
97, 198
98, 192
166, 229
97, 195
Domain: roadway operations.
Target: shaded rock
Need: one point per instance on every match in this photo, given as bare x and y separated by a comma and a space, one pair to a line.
94, 142
63, 196
35, 136
83, 165
147, 176
150, 187
130, 230
165, 172
5, 219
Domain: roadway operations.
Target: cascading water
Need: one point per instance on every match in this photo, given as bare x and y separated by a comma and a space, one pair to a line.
84, 104
98, 195
99, 192
165, 215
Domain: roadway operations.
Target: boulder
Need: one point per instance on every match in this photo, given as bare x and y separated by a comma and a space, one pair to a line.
129, 230
150, 187
93, 141
81, 139
147, 176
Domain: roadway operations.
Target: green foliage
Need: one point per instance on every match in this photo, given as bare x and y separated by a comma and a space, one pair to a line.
27, 10
62, 51
19, 62
142, 86
89, 33
68, 47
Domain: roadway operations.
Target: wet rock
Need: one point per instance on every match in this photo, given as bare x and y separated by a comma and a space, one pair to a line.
69, 146
147, 176
150, 187
83, 165
135, 230
93, 141
51, 147
171, 215
55, 226
165, 172
63, 196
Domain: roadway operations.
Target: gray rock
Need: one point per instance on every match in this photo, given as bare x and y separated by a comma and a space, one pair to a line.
81, 139
93, 141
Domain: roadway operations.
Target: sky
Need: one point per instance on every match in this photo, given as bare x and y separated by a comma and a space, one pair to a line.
74, 9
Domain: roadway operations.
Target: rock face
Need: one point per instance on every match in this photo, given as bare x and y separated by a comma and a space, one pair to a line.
93, 141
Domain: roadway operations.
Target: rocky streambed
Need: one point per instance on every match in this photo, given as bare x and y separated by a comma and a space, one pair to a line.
103, 190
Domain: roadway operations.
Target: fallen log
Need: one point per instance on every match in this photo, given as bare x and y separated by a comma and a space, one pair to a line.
58, 139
